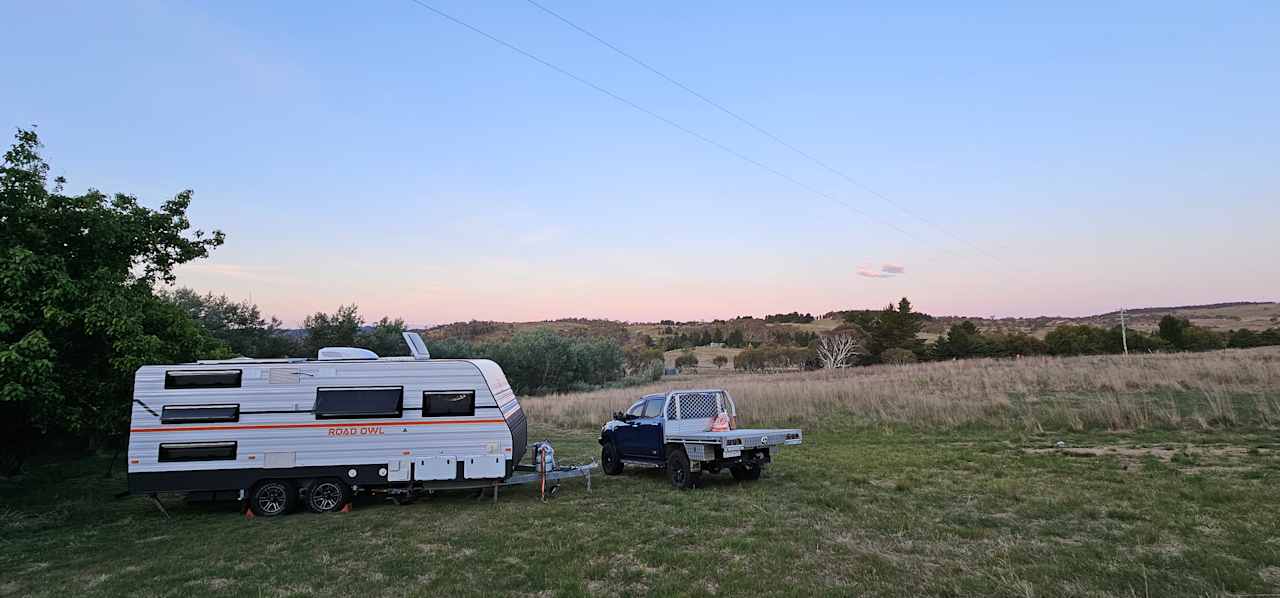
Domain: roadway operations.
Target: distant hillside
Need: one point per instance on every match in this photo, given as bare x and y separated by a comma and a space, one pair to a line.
1217, 316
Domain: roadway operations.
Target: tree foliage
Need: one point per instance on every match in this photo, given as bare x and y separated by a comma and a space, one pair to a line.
686, 359
891, 328
78, 314
238, 324
541, 361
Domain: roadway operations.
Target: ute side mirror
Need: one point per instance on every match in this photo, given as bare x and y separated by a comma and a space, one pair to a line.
618, 415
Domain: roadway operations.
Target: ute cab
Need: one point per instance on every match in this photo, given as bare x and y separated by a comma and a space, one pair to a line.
689, 432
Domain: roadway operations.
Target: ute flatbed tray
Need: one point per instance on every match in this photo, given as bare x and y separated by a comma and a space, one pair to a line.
750, 437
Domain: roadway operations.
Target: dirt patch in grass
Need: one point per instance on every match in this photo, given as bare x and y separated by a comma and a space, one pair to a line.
1162, 453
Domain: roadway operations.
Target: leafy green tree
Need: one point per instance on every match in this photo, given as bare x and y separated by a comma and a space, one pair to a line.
686, 359
1173, 330
78, 314
338, 329
386, 338
735, 339
1014, 344
1071, 339
891, 328
239, 324
962, 341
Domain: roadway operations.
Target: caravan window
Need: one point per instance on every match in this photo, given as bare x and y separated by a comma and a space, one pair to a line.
197, 451
199, 414
176, 379
455, 403
362, 402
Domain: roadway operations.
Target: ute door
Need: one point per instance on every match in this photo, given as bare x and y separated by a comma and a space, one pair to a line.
624, 434
646, 432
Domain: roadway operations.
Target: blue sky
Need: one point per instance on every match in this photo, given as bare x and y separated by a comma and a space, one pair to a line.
1077, 158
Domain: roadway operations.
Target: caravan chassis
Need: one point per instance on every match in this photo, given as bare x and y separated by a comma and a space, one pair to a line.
399, 493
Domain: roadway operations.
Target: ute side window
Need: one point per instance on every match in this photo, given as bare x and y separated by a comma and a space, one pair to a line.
359, 402
653, 407
636, 409
197, 451
199, 414
185, 379
448, 403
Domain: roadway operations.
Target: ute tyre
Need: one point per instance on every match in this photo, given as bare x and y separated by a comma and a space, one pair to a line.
328, 495
272, 498
746, 473
610, 460
678, 468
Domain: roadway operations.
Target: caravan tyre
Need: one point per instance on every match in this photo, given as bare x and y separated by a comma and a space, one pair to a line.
271, 498
328, 495
610, 460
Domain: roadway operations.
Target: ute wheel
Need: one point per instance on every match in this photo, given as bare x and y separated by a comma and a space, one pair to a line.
745, 473
328, 495
610, 460
271, 498
678, 469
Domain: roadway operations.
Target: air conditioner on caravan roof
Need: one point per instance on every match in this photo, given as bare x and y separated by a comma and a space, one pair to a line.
345, 353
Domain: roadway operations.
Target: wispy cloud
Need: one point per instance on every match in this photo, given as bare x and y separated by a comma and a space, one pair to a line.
886, 270
869, 273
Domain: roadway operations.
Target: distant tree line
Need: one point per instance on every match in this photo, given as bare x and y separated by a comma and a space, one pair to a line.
791, 318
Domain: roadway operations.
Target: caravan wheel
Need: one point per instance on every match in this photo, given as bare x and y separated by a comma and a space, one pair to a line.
328, 495
271, 498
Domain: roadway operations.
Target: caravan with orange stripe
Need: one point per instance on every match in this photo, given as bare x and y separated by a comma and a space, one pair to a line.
280, 433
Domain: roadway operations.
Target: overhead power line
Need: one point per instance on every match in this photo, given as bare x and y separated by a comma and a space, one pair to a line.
759, 129
669, 122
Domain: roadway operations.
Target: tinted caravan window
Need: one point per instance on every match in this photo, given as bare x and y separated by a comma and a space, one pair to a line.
197, 451
436, 404
199, 414
354, 403
202, 379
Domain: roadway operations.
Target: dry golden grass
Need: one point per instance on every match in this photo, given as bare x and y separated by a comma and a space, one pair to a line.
1232, 388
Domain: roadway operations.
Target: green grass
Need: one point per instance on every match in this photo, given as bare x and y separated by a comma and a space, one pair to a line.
854, 511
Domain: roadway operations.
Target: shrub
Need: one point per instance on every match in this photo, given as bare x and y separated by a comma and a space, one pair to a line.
898, 356
687, 359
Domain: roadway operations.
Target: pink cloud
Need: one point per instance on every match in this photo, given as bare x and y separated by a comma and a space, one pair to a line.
893, 269
868, 273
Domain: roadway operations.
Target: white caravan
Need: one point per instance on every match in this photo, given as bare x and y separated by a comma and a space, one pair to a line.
278, 431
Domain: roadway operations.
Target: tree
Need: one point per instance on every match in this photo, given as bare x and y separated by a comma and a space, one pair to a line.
1173, 330
686, 359
735, 339
239, 324
1076, 340
720, 361
386, 338
838, 350
897, 356
338, 329
78, 313
962, 341
891, 328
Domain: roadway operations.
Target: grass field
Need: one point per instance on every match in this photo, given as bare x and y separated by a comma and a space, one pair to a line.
892, 501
